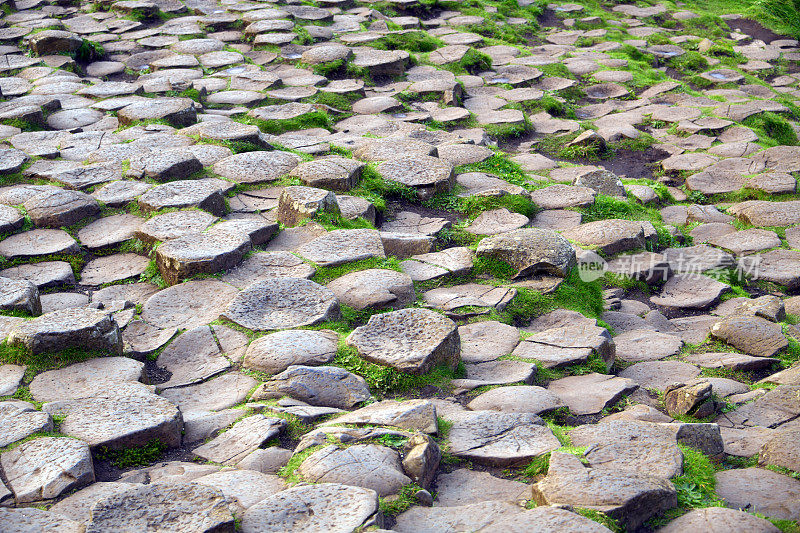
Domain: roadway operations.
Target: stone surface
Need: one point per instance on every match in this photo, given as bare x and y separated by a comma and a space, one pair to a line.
190, 507
374, 288
322, 507
241, 439
325, 386
282, 303
87, 329
47, 467
409, 340
369, 466
591, 393
531, 251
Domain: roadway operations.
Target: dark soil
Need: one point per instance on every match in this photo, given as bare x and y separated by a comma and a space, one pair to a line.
755, 30
549, 19
105, 470
634, 164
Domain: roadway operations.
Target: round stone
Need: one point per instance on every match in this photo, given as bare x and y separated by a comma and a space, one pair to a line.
281, 304
188, 305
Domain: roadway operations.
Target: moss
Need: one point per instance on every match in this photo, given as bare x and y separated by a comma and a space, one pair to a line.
473, 62
134, 456
601, 518
414, 41
385, 380
289, 470
314, 119
327, 274
772, 129
18, 355
402, 502
498, 165
496, 268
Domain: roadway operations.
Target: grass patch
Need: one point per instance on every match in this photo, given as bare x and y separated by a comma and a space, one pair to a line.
402, 502
414, 41
135, 456
314, 119
473, 62
498, 165
327, 274
385, 380
36, 363
772, 129
289, 470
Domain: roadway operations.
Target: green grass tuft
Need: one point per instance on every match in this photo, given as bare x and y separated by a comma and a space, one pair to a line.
135, 456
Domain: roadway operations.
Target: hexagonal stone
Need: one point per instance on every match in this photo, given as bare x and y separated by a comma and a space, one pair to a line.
173, 225
10, 219
496, 221
562, 345
499, 439
692, 291
47, 467
188, 305
266, 265
774, 408
19, 295
204, 194
243, 487
659, 375
179, 112
84, 379
282, 303
335, 173
591, 393
275, 352
216, 394
629, 497
470, 517
452, 261
362, 465
111, 268
30, 520
322, 386
242, 439
309, 508
531, 251
450, 299
516, 399
374, 288
20, 419
385, 149
411, 222
777, 266
761, 491
560, 196
127, 415
409, 340
718, 520
297, 203
200, 253
256, 167
343, 246
487, 341
109, 231
751, 334
192, 357
80, 328
646, 345
77, 506
464, 486
189, 507
427, 175
60, 208
119, 193
609, 236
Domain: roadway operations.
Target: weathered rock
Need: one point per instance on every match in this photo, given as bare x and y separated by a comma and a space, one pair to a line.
19, 295
324, 386
751, 334
591, 393
275, 352
30, 520
78, 505
20, 419
761, 491
628, 497
82, 328
472, 517
464, 487
516, 399
499, 439
83, 380
681, 399
47, 467
189, 507
413, 415
409, 340
38, 242
343, 246
200, 253
310, 508
241, 440
531, 251
374, 288
193, 356
298, 203
690, 291
188, 305
718, 520
609, 236
128, 415
363, 465
282, 303
646, 345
